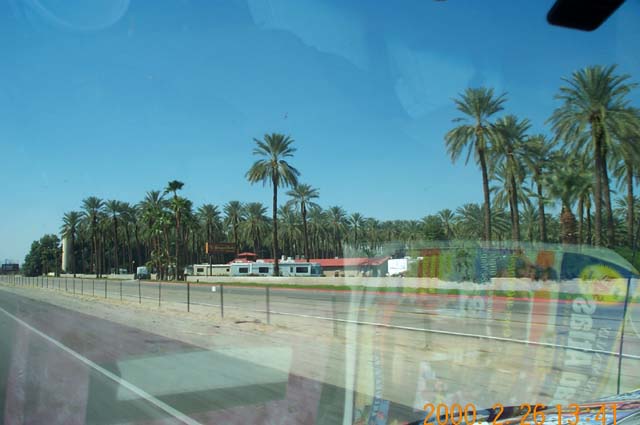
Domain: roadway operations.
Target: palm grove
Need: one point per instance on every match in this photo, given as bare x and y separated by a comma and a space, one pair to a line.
586, 166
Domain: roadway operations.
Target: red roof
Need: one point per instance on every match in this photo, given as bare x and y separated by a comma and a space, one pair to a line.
247, 254
349, 262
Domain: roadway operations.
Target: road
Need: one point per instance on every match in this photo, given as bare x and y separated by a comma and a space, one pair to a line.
471, 342
524, 320
61, 366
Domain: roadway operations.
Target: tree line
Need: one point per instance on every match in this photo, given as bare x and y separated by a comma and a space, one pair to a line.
588, 163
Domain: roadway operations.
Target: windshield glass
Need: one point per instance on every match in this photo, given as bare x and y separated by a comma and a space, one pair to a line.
318, 212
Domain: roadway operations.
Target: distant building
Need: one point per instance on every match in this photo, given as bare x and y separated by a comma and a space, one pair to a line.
351, 267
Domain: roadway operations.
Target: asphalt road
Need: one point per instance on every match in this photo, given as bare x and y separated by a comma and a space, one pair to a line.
61, 366
514, 322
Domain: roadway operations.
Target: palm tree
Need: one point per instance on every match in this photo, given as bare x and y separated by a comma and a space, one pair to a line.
356, 220
92, 207
303, 195
69, 229
473, 134
318, 229
529, 219
337, 222
565, 183
274, 169
447, 217
173, 187
114, 208
289, 228
233, 211
593, 113
537, 156
255, 225
152, 209
209, 217
509, 137
627, 155
130, 215
469, 221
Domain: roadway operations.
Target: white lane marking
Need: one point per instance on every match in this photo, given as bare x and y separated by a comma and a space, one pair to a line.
118, 380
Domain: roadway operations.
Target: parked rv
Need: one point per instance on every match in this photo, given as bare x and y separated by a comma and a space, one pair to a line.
287, 268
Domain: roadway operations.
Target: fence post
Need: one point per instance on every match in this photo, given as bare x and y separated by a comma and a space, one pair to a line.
159, 293
188, 296
139, 293
81, 286
333, 311
221, 300
624, 320
93, 282
105, 288
74, 286
268, 309
120, 289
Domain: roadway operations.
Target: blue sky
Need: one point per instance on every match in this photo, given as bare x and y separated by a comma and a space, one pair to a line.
115, 97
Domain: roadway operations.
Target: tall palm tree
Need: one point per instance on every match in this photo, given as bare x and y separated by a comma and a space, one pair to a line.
92, 207
69, 229
509, 137
303, 195
473, 134
173, 187
152, 209
627, 155
233, 211
537, 156
274, 169
594, 111
114, 208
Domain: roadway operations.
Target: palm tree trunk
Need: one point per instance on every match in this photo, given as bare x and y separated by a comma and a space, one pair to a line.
276, 268
235, 238
177, 273
568, 225
580, 219
303, 211
128, 247
82, 259
588, 211
542, 219
515, 215
138, 253
630, 203
597, 187
73, 253
487, 197
607, 200
115, 244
